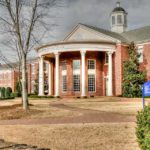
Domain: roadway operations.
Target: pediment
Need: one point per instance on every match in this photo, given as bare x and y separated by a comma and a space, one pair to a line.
83, 33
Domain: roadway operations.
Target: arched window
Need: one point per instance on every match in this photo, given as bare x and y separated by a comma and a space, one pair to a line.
119, 19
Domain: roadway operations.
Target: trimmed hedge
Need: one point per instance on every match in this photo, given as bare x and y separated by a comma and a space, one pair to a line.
143, 128
6, 93
2, 92
36, 96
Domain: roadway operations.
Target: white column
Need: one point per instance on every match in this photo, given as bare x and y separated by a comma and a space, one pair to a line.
56, 74
83, 89
41, 76
110, 73
49, 79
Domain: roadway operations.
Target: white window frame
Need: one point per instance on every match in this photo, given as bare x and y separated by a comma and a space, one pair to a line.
92, 72
140, 51
64, 84
64, 73
76, 72
77, 90
121, 19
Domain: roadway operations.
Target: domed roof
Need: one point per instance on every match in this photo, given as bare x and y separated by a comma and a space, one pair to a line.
118, 8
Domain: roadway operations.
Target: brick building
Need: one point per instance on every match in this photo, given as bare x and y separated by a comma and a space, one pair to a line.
10, 75
89, 61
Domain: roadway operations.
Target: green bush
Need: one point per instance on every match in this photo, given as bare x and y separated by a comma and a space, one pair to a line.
2, 92
36, 96
133, 78
8, 92
15, 94
143, 128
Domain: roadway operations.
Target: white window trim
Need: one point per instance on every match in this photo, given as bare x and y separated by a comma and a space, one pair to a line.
92, 72
119, 15
64, 73
76, 72
62, 84
140, 50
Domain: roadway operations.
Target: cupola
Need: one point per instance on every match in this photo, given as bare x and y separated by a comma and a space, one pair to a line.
118, 19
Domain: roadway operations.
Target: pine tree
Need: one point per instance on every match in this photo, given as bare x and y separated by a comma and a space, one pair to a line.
133, 78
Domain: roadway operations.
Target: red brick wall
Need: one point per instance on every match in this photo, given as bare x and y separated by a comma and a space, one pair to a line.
32, 75
69, 57
120, 56
145, 66
8, 79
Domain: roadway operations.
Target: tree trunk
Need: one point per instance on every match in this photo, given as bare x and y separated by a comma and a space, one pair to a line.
24, 84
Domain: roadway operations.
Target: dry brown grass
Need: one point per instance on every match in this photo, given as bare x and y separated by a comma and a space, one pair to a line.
103, 136
42, 108
37, 110
113, 104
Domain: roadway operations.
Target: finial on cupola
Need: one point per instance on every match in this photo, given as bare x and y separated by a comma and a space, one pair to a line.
118, 4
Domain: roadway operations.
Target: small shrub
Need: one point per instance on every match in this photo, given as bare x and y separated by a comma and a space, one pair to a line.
2, 92
36, 96
143, 128
8, 92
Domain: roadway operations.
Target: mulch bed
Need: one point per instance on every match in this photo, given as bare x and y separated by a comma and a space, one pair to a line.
12, 146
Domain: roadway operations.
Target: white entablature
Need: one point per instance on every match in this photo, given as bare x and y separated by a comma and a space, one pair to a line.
76, 46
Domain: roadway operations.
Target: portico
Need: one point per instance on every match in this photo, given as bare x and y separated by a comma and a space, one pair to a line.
53, 52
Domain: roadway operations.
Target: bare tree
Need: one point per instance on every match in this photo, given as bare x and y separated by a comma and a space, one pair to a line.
21, 20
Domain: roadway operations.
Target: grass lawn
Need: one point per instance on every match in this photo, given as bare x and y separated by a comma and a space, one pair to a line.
92, 136
101, 136
116, 105
37, 110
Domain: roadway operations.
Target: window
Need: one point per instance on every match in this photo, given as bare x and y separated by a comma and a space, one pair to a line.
64, 75
46, 66
76, 83
113, 20
91, 83
91, 64
119, 19
106, 58
140, 52
33, 69
32, 86
76, 75
64, 83
76, 64
91, 75
64, 65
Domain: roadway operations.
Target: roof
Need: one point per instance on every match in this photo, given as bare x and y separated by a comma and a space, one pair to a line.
109, 33
138, 35
117, 9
